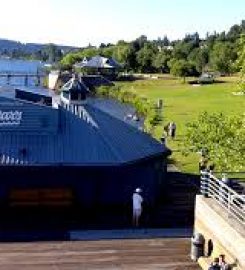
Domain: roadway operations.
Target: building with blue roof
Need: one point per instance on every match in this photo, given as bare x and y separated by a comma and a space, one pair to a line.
74, 153
100, 65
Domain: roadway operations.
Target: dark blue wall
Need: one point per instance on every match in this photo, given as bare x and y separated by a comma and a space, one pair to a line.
91, 185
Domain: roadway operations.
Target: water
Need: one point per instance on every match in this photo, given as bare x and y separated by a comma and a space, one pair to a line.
10, 66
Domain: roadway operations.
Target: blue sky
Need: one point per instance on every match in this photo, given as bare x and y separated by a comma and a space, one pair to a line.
79, 22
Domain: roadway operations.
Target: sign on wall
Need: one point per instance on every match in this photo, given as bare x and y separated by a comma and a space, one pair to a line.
27, 117
10, 118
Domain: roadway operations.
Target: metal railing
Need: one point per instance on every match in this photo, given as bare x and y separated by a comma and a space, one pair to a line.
230, 200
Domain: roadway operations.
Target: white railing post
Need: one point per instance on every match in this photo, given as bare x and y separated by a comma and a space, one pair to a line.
204, 183
229, 203
219, 190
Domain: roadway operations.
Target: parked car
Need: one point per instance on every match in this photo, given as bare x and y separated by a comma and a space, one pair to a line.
206, 78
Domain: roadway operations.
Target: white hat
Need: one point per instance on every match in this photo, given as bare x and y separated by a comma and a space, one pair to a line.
138, 190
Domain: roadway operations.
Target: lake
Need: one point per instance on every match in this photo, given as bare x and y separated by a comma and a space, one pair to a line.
19, 67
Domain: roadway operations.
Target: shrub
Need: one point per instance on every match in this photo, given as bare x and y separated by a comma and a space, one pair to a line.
142, 105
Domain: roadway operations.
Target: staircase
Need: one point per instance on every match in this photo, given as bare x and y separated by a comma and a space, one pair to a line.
177, 206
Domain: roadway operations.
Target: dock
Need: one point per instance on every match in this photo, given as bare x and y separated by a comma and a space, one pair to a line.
130, 254
8, 77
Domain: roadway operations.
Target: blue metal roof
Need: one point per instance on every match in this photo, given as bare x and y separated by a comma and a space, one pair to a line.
35, 95
37, 90
127, 142
118, 110
20, 116
10, 92
88, 137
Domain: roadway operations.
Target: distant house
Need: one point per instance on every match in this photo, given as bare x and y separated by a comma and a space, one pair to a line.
99, 65
58, 79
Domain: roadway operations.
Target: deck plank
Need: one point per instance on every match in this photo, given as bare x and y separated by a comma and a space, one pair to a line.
105, 254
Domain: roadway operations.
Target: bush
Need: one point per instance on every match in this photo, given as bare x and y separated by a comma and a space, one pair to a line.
143, 106
223, 136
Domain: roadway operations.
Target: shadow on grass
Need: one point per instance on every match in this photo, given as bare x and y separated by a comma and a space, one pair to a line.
205, 83
129, 78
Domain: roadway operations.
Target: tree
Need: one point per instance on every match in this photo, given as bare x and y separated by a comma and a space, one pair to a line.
179, 68
199, 56
222, 36
145, 57
160, 61
234, 32
51, 53
222, 57
182, 50
218, 51
88, 52
222, 136
130, 58
69, 60
193, 39
165, 41
102, 45
140, 41
107, 51
241, 64
162, 42
121, 53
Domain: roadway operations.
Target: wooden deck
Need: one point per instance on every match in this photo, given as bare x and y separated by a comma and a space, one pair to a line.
171, 254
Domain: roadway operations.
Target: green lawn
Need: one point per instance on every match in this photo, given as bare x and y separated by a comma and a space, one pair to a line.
184, 102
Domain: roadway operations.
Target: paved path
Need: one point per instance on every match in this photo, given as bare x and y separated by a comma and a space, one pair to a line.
143, 254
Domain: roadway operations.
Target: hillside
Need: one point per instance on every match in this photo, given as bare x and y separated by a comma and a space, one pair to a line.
8, 46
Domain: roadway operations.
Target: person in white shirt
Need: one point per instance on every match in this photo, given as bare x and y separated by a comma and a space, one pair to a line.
137, 206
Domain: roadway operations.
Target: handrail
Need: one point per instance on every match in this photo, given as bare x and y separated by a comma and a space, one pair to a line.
222, 193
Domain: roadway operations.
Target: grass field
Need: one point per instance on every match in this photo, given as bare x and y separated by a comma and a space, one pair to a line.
183, 103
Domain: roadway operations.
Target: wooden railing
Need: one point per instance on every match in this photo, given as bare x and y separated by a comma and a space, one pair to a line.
220, 191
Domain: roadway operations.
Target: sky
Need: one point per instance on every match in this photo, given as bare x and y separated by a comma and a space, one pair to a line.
80, 22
